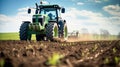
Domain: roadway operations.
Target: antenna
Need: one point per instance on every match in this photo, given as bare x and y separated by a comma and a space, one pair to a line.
41, 2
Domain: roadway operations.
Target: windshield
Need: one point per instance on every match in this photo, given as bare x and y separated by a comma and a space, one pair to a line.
51, 12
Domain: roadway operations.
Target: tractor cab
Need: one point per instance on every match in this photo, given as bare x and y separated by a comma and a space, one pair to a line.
52, 11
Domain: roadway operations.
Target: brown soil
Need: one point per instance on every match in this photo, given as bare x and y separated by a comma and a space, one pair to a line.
104, 53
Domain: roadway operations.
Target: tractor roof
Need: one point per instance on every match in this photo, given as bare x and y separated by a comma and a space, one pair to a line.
50, 6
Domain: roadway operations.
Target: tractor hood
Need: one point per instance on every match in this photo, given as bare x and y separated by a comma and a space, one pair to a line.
39, 18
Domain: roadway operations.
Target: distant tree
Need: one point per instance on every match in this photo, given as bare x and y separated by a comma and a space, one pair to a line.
104, 33
77, 33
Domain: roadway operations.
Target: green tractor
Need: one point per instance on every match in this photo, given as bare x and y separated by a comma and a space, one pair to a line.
46, 24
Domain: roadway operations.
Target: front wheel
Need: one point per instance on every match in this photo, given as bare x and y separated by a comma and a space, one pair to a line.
23, 33
52, 31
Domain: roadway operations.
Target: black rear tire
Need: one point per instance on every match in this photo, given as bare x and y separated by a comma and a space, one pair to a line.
52, 31
63, 31
23, 33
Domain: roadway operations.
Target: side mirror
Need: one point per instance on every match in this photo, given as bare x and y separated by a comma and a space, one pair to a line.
63, 10
29, 11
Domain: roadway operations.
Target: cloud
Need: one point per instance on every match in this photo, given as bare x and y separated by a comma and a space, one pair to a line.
78, 19
4, 18
8, 24
112, 9
12, 23
80, 3
45, 2
23, 9
106, 0
98, 1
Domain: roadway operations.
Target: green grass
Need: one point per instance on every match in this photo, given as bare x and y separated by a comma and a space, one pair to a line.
9, 36
12, 36
15, 36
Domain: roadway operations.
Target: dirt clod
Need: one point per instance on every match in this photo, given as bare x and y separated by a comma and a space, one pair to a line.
103, 53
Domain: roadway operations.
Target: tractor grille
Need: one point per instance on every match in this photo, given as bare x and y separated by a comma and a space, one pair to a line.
33, 20
41, 20
38, 19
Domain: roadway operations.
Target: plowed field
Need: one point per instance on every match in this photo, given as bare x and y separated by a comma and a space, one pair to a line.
103, 53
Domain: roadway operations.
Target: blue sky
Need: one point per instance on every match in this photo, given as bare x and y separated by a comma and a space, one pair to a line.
90, 14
